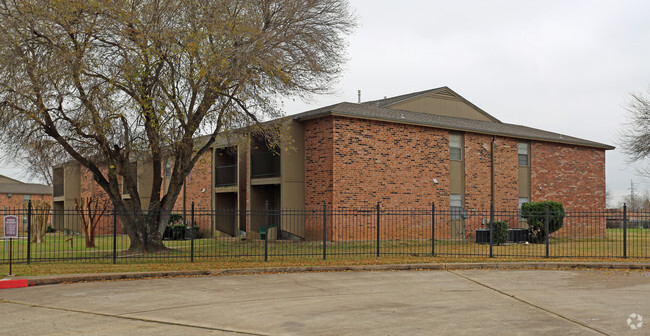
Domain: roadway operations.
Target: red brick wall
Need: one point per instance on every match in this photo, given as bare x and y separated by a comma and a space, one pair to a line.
506, 174
198, 185
354, 163
573, 176
478, 178
477, 171
394, 164
319, 170
198, 189
14, 206
90, 188
16, 200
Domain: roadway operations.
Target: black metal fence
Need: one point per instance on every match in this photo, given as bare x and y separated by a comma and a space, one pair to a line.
328, 233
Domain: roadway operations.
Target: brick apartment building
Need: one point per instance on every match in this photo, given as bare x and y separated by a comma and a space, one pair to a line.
405, 152
15, 194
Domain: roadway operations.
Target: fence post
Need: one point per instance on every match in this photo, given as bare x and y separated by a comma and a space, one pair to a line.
266, 231
29, 232
192, 233
491, 225
378, 229
324, 231
624, 230
114, 235
546, 220
433, 229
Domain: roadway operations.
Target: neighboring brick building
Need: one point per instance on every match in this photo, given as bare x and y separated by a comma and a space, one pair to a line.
405, 152
14, 196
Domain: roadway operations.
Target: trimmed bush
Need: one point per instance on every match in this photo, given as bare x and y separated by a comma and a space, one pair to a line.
500, 234
535, 214
178, 231
175, 218
50, 229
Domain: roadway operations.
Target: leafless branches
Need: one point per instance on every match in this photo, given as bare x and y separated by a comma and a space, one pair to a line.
115, 81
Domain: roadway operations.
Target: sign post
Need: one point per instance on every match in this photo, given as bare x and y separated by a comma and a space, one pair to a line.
11, 232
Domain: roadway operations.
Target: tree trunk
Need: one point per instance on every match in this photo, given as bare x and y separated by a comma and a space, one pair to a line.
142, 230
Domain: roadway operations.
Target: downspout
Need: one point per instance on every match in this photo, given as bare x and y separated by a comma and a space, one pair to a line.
492, 187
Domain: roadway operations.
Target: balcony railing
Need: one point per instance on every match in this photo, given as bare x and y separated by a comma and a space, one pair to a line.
226, 176
265, 164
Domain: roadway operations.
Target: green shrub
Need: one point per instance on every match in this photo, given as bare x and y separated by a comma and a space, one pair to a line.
50, 229
168, 232
175, 218
193, 232
178, 231
500, 233
535, 214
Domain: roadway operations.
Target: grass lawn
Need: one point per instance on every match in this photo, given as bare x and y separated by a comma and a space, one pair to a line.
53, 268
227, 252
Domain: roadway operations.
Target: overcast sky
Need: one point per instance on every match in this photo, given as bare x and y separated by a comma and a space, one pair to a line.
561, 66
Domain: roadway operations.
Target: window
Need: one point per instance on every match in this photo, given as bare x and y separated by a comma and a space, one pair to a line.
455, 147
522, 200
456, 206
168, 168
523, 150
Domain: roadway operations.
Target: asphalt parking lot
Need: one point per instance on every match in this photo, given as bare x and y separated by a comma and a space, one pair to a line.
449, 302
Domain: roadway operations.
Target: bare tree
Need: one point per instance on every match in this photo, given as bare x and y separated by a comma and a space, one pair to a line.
115, 81
36, 158
635, 137
40, 218
90, 210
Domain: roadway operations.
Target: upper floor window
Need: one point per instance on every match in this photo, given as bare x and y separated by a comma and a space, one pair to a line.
524, 154
455, 147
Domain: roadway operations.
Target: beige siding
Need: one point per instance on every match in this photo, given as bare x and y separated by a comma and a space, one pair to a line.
441, 105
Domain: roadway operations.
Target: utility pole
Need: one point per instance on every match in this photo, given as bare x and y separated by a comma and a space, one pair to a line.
633, 205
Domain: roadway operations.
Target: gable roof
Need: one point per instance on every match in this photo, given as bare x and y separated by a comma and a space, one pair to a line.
395, 102
7, 179
25, 189
13, 186
373, 112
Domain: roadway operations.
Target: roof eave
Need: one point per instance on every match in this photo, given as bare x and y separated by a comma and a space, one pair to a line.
332, 112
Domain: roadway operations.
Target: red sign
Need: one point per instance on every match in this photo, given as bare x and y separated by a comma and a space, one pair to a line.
11, 227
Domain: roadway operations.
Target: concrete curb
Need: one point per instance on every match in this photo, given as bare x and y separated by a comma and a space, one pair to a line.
72, 278
13, 283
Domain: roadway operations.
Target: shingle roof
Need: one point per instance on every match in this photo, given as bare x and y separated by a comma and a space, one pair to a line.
25, 189
370, 111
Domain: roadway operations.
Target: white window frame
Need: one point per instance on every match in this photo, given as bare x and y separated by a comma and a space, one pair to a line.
522, 200
456, 143
523, 150
456, 206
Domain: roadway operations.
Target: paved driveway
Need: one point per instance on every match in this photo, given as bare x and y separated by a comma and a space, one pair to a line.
470, 302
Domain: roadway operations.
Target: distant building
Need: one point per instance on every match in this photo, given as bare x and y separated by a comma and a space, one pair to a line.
15, 194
